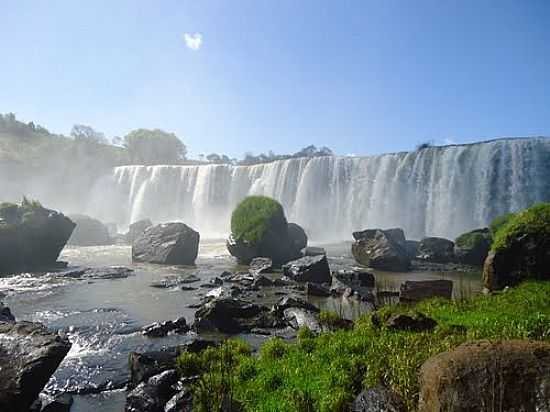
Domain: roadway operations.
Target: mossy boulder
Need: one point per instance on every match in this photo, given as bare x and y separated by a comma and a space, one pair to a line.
471, 248
89, 232
380, 249
31, 236
520, 249
259, 229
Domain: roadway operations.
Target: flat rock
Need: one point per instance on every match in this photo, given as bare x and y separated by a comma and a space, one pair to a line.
417, 290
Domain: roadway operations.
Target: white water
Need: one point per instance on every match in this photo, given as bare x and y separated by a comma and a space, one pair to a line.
439, 191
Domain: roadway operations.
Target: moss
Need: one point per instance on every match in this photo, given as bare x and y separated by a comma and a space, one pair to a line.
469, 240
498, 222
534, 221
254, 216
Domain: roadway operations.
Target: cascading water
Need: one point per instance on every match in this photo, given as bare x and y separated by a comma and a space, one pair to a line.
439, 191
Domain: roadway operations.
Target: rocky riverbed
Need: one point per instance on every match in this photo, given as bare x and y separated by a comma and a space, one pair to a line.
102, 311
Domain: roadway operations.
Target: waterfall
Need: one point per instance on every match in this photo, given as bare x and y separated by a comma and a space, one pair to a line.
436, 191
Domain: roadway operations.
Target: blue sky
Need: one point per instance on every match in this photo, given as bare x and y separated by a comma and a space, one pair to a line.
361, 77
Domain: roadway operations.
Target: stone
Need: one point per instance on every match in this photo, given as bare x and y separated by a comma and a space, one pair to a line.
417, 290
107, 272
293, 302
167, 243
411, 248
360, 281
377, 248
5, 314
316, 289
297, 237
314, 251
61, 403
414, 323
312, 269
262, 281
260, 265
509, 375
89, 232
174, 281
180, 402
153, 394
436, 249
472, 248
161, 329
29, 355
297, 318
137, 228
378, 399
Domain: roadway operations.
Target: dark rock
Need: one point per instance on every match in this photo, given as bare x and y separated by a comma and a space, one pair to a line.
61, 403
137, 228
316, 289
436, 249
509, 375
417, 290
312, 269
260, 265
378, 399
411, 248
180, 402
29, 355
293, 302
297, 237
174, 281
415, 323
243, 251
89, 232
314, 251
5, 314
31, 238
377, 249
168, 243
158, 330
472, 248
359, 281
152, 395
229, 315
108, 272
262, 281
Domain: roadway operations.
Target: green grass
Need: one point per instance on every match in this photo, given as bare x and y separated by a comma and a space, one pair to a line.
324, 373
254, 216
498, 222
534, 221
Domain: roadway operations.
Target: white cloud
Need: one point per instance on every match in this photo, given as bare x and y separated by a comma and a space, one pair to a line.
193, 40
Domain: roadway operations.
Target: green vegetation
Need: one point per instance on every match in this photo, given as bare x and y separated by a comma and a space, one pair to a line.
254, 216
324, 373
534, 221
470, 239
498, 222
12, 213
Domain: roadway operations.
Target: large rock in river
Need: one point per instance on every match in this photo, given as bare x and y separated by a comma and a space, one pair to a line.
436, 249
312, 269
29, 355
488, 376
31, 236
137, 228
167, 243
471, 248
380, 249
297, 236
89, 232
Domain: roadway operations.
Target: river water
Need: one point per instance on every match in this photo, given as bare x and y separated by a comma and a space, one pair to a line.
103, 318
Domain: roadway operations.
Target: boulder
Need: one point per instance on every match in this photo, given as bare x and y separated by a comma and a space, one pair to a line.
298, 318
180, 402
487, 376
317, 289
107, 272
31, 237
417, 290
312, 269
359, 281
89, 232
411, 248
137, 228
436, 249
242, 250
377, 248
472, 248
293, 302
29, 355
297, 237
232, 316
260, 265
167, 243
378, 399
418, 322
161, 329
153, 394
175, 281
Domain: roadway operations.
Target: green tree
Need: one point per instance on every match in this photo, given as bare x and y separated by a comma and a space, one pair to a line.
154, 147
83, 133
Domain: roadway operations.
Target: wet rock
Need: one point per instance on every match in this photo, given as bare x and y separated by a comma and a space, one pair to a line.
417, 290
297, 318
379, 399
359, 281
415, 323
243, 251
262, 281
472, 248
175, 281
33, 242
377, 248
411, 248
152, 395
312, 269
260, 265
137, 228
168, 243
5, 314
107, 272
313, 251
61, 403
29, 355
436, 249
229, 315
180, 402
478, 376
316, 289
293, 302
297, 237
89, 232
161, 329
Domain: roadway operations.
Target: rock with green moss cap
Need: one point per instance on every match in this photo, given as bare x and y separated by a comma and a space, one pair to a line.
471, 248
259, 229
31, 236
520, 249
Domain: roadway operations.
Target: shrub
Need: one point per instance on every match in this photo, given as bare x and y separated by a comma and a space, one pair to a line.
189, 364
254, 216
330, 320
534, 221
498, 222
469, 240
274, 348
